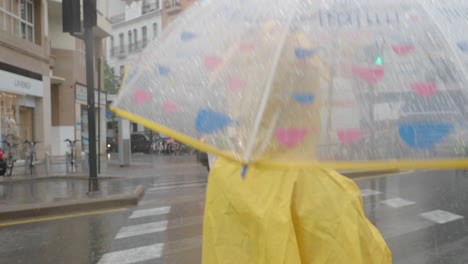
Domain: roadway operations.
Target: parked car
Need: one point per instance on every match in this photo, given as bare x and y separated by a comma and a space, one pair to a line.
111, 145
140, 143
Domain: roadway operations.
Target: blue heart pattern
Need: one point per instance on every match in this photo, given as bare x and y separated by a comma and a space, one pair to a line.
304, 98
304, 53
186, 36
209, 121
424, 135
130, 76
163, 70
463, 46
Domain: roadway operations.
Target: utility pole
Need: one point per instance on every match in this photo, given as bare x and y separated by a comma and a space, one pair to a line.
72, 24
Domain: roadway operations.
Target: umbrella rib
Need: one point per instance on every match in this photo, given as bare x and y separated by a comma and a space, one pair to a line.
269, 86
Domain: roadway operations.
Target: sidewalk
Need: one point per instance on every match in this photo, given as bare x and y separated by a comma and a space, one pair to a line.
54, 191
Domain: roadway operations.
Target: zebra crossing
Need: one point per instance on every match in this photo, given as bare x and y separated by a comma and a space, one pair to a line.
133, 255
142, 253
408, 221
144, 237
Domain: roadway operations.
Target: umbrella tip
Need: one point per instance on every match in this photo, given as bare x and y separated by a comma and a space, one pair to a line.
244, 171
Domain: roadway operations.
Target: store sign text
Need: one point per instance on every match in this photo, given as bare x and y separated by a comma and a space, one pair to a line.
18, 84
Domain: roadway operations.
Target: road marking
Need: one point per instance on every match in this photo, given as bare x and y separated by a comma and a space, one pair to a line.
149, 212
397, 202
173, 199
382, 175
170, 183
369, 192
176, 187
62, 217
133, 255
181, 165
136, 230
440, 217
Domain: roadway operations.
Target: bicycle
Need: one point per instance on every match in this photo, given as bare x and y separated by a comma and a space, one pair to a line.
10, 160
30, 155
71, 152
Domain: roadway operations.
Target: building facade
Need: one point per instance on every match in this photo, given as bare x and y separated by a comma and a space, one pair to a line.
172, 8
68, 92
25, 57
134, 25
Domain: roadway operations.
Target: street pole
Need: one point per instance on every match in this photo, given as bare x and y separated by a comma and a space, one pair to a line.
93, 185
99, 116
71, 23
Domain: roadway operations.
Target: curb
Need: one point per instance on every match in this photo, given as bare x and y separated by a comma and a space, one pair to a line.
57, 177
87, 204
362, 173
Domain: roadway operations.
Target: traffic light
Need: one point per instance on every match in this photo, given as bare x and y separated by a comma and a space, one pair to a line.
90, 13
71, 13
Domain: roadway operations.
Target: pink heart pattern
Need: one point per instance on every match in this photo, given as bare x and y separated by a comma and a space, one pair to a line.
236, 84
290, 138
402, 50
212, 62
246, 46
141, 97
370, 75
424, 89
170, 107
350, 136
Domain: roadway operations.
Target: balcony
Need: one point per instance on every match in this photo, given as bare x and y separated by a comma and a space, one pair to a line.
148, 8
123, 51
172, 6
117, 18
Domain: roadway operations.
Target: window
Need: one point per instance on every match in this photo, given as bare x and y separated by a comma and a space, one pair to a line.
150, 6
155, 30
121, 39
112, 45
144, 36
17, 17
130, 39
135, 36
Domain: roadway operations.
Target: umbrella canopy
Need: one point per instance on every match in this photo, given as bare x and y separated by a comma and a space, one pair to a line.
341, 84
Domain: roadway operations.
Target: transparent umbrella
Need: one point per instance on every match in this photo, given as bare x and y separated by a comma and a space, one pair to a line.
341, 84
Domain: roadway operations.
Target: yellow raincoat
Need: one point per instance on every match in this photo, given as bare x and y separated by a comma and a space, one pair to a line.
287, 215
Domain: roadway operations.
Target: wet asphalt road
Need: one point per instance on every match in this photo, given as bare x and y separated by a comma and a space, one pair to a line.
167, 225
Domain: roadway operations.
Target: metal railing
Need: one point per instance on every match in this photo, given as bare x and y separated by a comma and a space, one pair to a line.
148, 8
168, 4
135, 47
117, 18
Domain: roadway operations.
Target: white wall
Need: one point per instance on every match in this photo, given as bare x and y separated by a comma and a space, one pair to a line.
60, 133
101, 6
124, 28
58, 39
115, 7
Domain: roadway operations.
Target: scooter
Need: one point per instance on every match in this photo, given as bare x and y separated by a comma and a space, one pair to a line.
3, 164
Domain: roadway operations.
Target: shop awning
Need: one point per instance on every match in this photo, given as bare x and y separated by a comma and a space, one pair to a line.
57, 80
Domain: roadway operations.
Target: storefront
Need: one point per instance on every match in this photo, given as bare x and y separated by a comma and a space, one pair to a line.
82, 127
18, 96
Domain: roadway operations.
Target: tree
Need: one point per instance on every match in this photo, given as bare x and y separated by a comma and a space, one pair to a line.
111, 86
111, 81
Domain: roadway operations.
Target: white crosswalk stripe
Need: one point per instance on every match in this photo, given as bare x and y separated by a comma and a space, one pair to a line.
176, 187
182, 182
397, 202
133, 255
369, 192
150, 212
136, 230
440, 217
